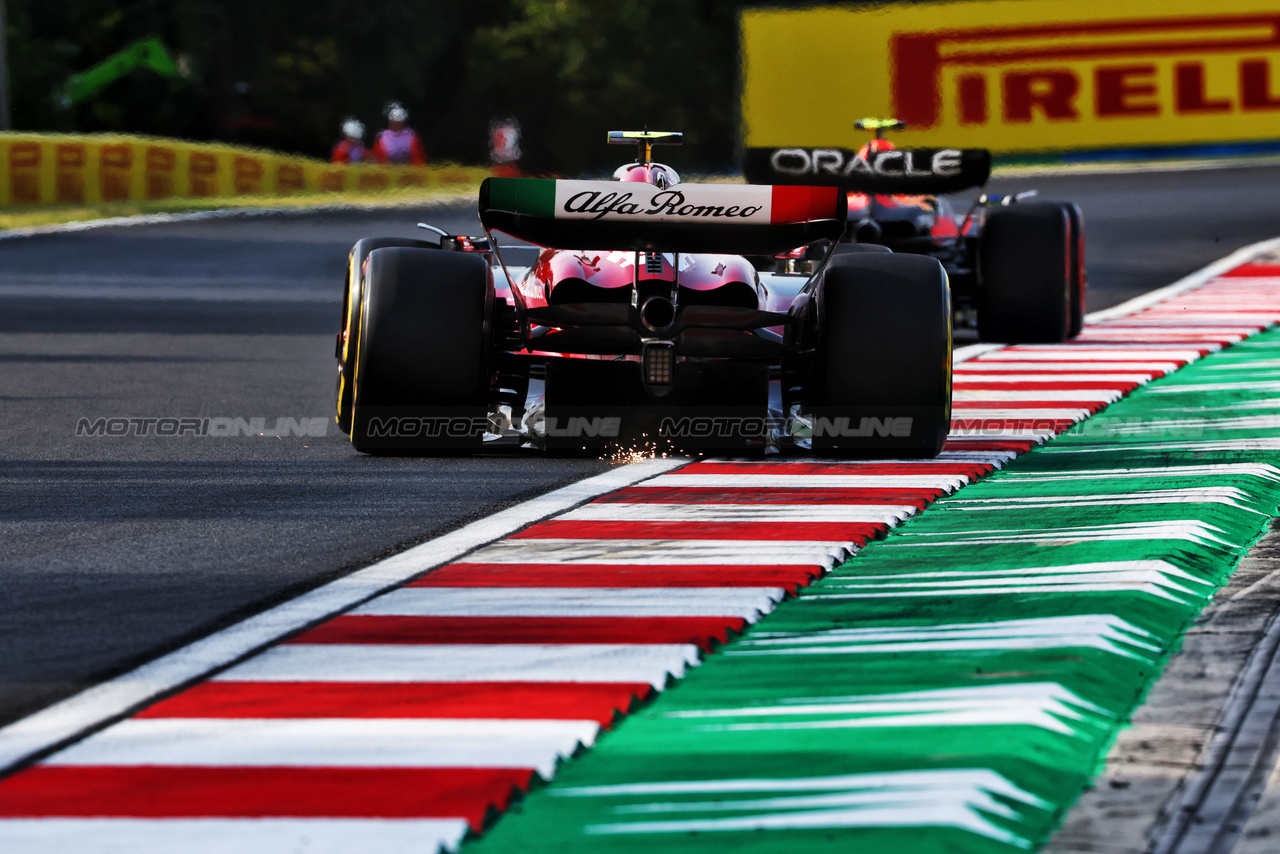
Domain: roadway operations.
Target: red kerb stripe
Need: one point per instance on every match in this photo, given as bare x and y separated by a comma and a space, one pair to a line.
787, 469
502, 700
1006, 423
1249, 270
203, 792
958, 407
704, 631
752, 494
611, 575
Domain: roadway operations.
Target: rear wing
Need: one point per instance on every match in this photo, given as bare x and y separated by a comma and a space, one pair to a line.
909, 171
732, 219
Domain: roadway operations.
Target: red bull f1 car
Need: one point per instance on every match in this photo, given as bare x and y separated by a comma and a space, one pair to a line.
644, 320
1016, 264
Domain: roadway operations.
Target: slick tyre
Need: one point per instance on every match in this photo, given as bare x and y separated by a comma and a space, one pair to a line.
349, 332
1025, 277
1078, 278
879, 384
859, 249
422, 374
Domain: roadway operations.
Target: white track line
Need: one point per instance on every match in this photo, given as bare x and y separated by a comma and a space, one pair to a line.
103, 703
227, 213
198, 292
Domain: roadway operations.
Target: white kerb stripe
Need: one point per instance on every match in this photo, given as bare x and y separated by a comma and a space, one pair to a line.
230, 835
1155, 334
1050, 378
972, 351
981, 432
616, 511
1046, 395
333, 743
650, 663
961, 455
1065, 367
743, 602
1102, 353
1185, 320
675, 552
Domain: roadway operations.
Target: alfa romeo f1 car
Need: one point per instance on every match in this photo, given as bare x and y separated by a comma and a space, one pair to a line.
643, 319
1016, 266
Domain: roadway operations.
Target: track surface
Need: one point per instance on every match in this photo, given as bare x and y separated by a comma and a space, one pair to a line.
120, 548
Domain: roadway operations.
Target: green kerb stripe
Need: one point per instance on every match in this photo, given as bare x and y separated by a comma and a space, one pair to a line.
529, 196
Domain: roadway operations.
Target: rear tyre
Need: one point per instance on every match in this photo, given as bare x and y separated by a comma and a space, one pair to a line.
422, 374
880, 380
1077, 276
349, 333
1024, 274
859, 249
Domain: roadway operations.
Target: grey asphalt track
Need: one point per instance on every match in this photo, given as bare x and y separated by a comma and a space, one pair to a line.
116, 549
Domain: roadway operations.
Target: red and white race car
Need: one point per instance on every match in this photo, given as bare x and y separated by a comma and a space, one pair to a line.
643, 320
1016, 263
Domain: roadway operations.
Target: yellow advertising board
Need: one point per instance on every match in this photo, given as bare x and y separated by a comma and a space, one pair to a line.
1016, 76
74, 169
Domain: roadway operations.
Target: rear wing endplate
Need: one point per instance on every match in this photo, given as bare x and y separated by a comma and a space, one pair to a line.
908, 171
732, 219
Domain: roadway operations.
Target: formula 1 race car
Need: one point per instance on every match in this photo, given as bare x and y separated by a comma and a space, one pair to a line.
641, 321
1016, 266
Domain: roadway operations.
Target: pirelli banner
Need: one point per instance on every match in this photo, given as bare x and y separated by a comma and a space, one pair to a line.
57, 169
1016, 76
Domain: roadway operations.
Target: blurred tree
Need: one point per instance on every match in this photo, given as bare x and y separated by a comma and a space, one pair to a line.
284, 73
571, 70
280, 73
